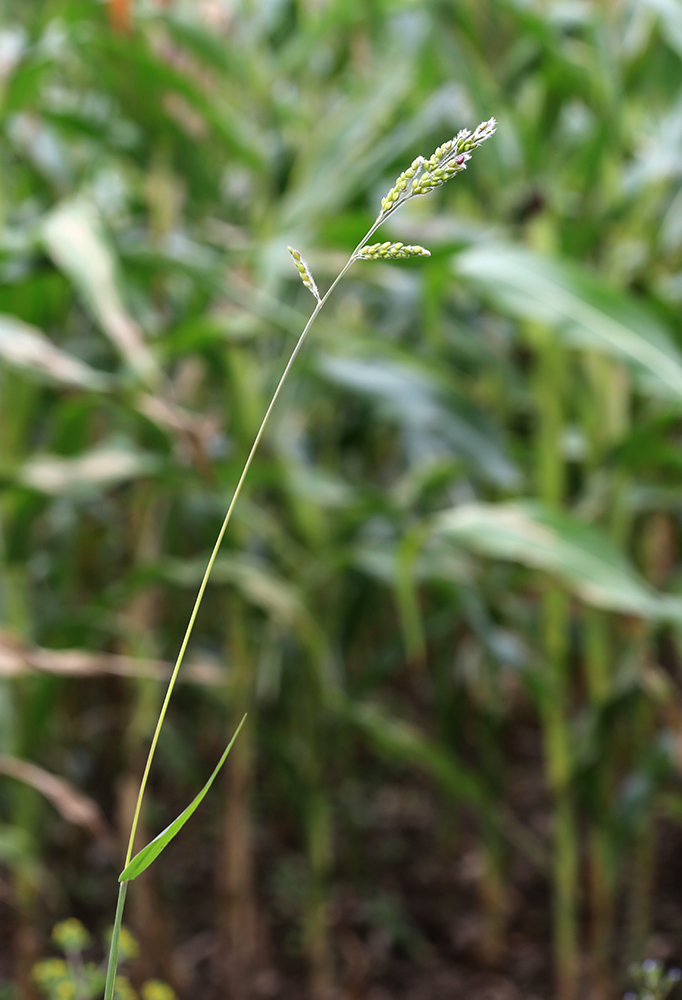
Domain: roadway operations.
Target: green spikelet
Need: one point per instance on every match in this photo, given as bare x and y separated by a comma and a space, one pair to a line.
400, 189
305, 272
391, 251
451, 158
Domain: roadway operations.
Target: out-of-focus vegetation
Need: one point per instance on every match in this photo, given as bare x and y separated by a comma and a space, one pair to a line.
449, 597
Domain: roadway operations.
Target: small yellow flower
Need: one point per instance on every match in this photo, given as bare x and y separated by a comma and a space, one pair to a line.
65, 990
50, 972
70, 935
155, 989
123, 989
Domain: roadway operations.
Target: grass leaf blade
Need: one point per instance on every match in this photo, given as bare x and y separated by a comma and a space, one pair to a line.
144, 858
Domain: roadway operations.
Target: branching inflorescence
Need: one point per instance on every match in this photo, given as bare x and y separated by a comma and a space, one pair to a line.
421, 177
449, 159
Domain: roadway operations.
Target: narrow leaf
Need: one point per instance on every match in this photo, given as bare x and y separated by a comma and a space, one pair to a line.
144, 858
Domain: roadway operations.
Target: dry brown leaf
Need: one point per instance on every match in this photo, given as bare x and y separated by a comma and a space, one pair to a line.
24, 346
72, 804
17, 659
101, 467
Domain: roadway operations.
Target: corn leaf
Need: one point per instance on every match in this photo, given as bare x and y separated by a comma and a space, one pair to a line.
579, 307
74, 238
579, 554
435, 419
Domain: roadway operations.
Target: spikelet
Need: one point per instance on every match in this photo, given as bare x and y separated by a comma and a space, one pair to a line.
305, 272
401, 187
451, 158
391, 251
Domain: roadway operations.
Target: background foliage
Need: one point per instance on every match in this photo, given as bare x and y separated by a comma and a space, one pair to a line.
449, 599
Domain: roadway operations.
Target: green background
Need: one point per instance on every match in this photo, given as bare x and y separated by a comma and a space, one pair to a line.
450, 598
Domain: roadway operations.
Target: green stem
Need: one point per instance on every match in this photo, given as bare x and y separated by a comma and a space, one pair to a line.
115, 938
221, 535
551, 484
113, 956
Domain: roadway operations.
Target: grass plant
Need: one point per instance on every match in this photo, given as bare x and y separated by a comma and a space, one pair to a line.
422, 177
454, 563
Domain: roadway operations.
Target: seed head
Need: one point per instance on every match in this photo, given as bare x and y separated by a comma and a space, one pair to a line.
391, 251
451, 158
305, 272
401, 188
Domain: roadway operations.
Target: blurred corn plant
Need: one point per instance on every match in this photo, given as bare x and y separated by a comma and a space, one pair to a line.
466, 518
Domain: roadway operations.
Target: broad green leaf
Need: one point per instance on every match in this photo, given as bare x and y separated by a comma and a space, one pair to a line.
75, 240
579, 554
25, 347
581, 308
144, 858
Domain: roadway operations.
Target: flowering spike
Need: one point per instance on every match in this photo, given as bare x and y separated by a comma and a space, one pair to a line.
401, 189
391, 251
305, 272
452, 157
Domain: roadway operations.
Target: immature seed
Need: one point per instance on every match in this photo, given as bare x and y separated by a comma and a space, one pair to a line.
305, 272
391, 251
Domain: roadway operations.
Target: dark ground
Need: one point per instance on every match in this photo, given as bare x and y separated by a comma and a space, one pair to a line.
413, 914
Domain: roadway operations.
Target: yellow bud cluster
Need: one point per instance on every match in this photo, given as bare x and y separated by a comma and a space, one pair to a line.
50, 972
305, 272
401, 185
155, 989
391, 251
65, 990
123, 989
70, 935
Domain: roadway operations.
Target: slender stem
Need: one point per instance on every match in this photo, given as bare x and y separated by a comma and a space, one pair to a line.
381, 218
115, 938
221, 535
113, 955
558, 751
